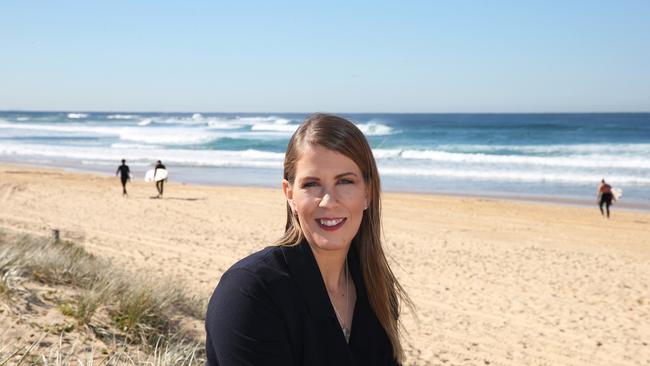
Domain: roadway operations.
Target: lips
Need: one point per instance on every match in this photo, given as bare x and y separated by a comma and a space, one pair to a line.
331, 223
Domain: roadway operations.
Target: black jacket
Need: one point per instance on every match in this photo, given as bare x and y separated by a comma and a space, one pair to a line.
272, 308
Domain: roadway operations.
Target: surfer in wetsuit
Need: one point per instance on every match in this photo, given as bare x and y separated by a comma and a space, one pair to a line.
160, 183
605, 196
124, 172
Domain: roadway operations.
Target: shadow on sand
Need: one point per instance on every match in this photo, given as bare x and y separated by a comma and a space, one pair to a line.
179, 198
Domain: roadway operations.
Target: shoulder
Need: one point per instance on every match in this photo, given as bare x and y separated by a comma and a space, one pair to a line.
258, 272
244, 321
257, 281
265, 264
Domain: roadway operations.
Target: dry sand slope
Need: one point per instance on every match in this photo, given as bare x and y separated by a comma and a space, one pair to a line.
494, 282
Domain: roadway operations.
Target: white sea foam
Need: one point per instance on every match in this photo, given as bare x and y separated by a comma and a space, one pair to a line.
546, 150
225, 123
120, 145
514, 175
586, 161
77, 115
21, 119
387, 153
198, 119
375, 129
177, 121
161, 136
219, 124
122, 116
280, 127
68, 128
143, 134
113, 163
214, 158
262, 123
138, 152
134, 134
261, 119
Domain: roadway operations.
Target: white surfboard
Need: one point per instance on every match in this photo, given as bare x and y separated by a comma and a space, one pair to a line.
617, 193
160, 175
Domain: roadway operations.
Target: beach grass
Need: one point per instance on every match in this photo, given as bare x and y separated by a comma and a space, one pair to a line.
138, 317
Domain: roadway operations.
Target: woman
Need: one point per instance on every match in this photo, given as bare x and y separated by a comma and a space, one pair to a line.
324, 295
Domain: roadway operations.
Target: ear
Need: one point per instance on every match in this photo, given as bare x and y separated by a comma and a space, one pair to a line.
287, 189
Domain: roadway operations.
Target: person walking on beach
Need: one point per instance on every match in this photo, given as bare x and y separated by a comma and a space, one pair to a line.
125, 175
160, 183
605, 196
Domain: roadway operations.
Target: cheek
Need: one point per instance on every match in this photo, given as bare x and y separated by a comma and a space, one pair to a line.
305, 204
353, 196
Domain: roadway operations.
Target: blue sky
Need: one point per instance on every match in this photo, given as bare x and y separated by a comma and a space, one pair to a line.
336, 56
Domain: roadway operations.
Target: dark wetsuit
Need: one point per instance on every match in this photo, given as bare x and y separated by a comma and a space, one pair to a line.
160, 183
124, 171
606, 197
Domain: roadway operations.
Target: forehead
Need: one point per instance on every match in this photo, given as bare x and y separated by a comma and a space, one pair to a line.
318, 161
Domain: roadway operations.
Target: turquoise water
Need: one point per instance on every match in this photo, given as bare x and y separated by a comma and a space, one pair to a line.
559, 155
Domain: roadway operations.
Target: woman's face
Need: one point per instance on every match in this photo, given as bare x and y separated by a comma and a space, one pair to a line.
329, 195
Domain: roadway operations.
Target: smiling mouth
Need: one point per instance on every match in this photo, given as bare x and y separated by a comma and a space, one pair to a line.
331, 224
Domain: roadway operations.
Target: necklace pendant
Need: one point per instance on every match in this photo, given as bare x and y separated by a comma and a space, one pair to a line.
346, 334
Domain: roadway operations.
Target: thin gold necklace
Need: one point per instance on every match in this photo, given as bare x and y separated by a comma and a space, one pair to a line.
346, 330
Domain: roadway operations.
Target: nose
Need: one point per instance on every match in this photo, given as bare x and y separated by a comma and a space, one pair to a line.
328, 199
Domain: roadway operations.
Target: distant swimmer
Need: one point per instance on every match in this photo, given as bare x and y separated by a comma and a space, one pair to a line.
159, 183
125, 175
605, 196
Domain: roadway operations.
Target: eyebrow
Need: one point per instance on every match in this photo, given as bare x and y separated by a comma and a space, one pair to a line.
337, 177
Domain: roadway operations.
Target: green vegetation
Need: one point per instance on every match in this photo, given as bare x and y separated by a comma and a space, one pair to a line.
139, 317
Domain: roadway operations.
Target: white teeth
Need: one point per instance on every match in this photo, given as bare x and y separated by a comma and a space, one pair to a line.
330, 222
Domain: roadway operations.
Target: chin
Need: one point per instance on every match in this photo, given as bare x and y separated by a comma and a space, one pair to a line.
325, 244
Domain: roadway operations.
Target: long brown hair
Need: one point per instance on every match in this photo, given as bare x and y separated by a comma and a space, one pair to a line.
384, 291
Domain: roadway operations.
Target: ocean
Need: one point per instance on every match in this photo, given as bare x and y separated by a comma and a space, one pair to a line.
539, 156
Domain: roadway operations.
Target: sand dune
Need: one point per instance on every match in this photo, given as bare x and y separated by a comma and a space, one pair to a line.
494, 282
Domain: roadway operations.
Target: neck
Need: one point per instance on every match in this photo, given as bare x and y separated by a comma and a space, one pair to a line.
332, 267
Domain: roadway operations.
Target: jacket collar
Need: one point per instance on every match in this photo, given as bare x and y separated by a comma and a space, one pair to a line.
305, 272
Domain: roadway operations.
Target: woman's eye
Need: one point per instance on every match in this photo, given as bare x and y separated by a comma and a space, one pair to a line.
346, 181
309, 184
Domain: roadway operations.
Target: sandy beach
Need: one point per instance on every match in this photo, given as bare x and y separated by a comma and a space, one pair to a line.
495, 282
